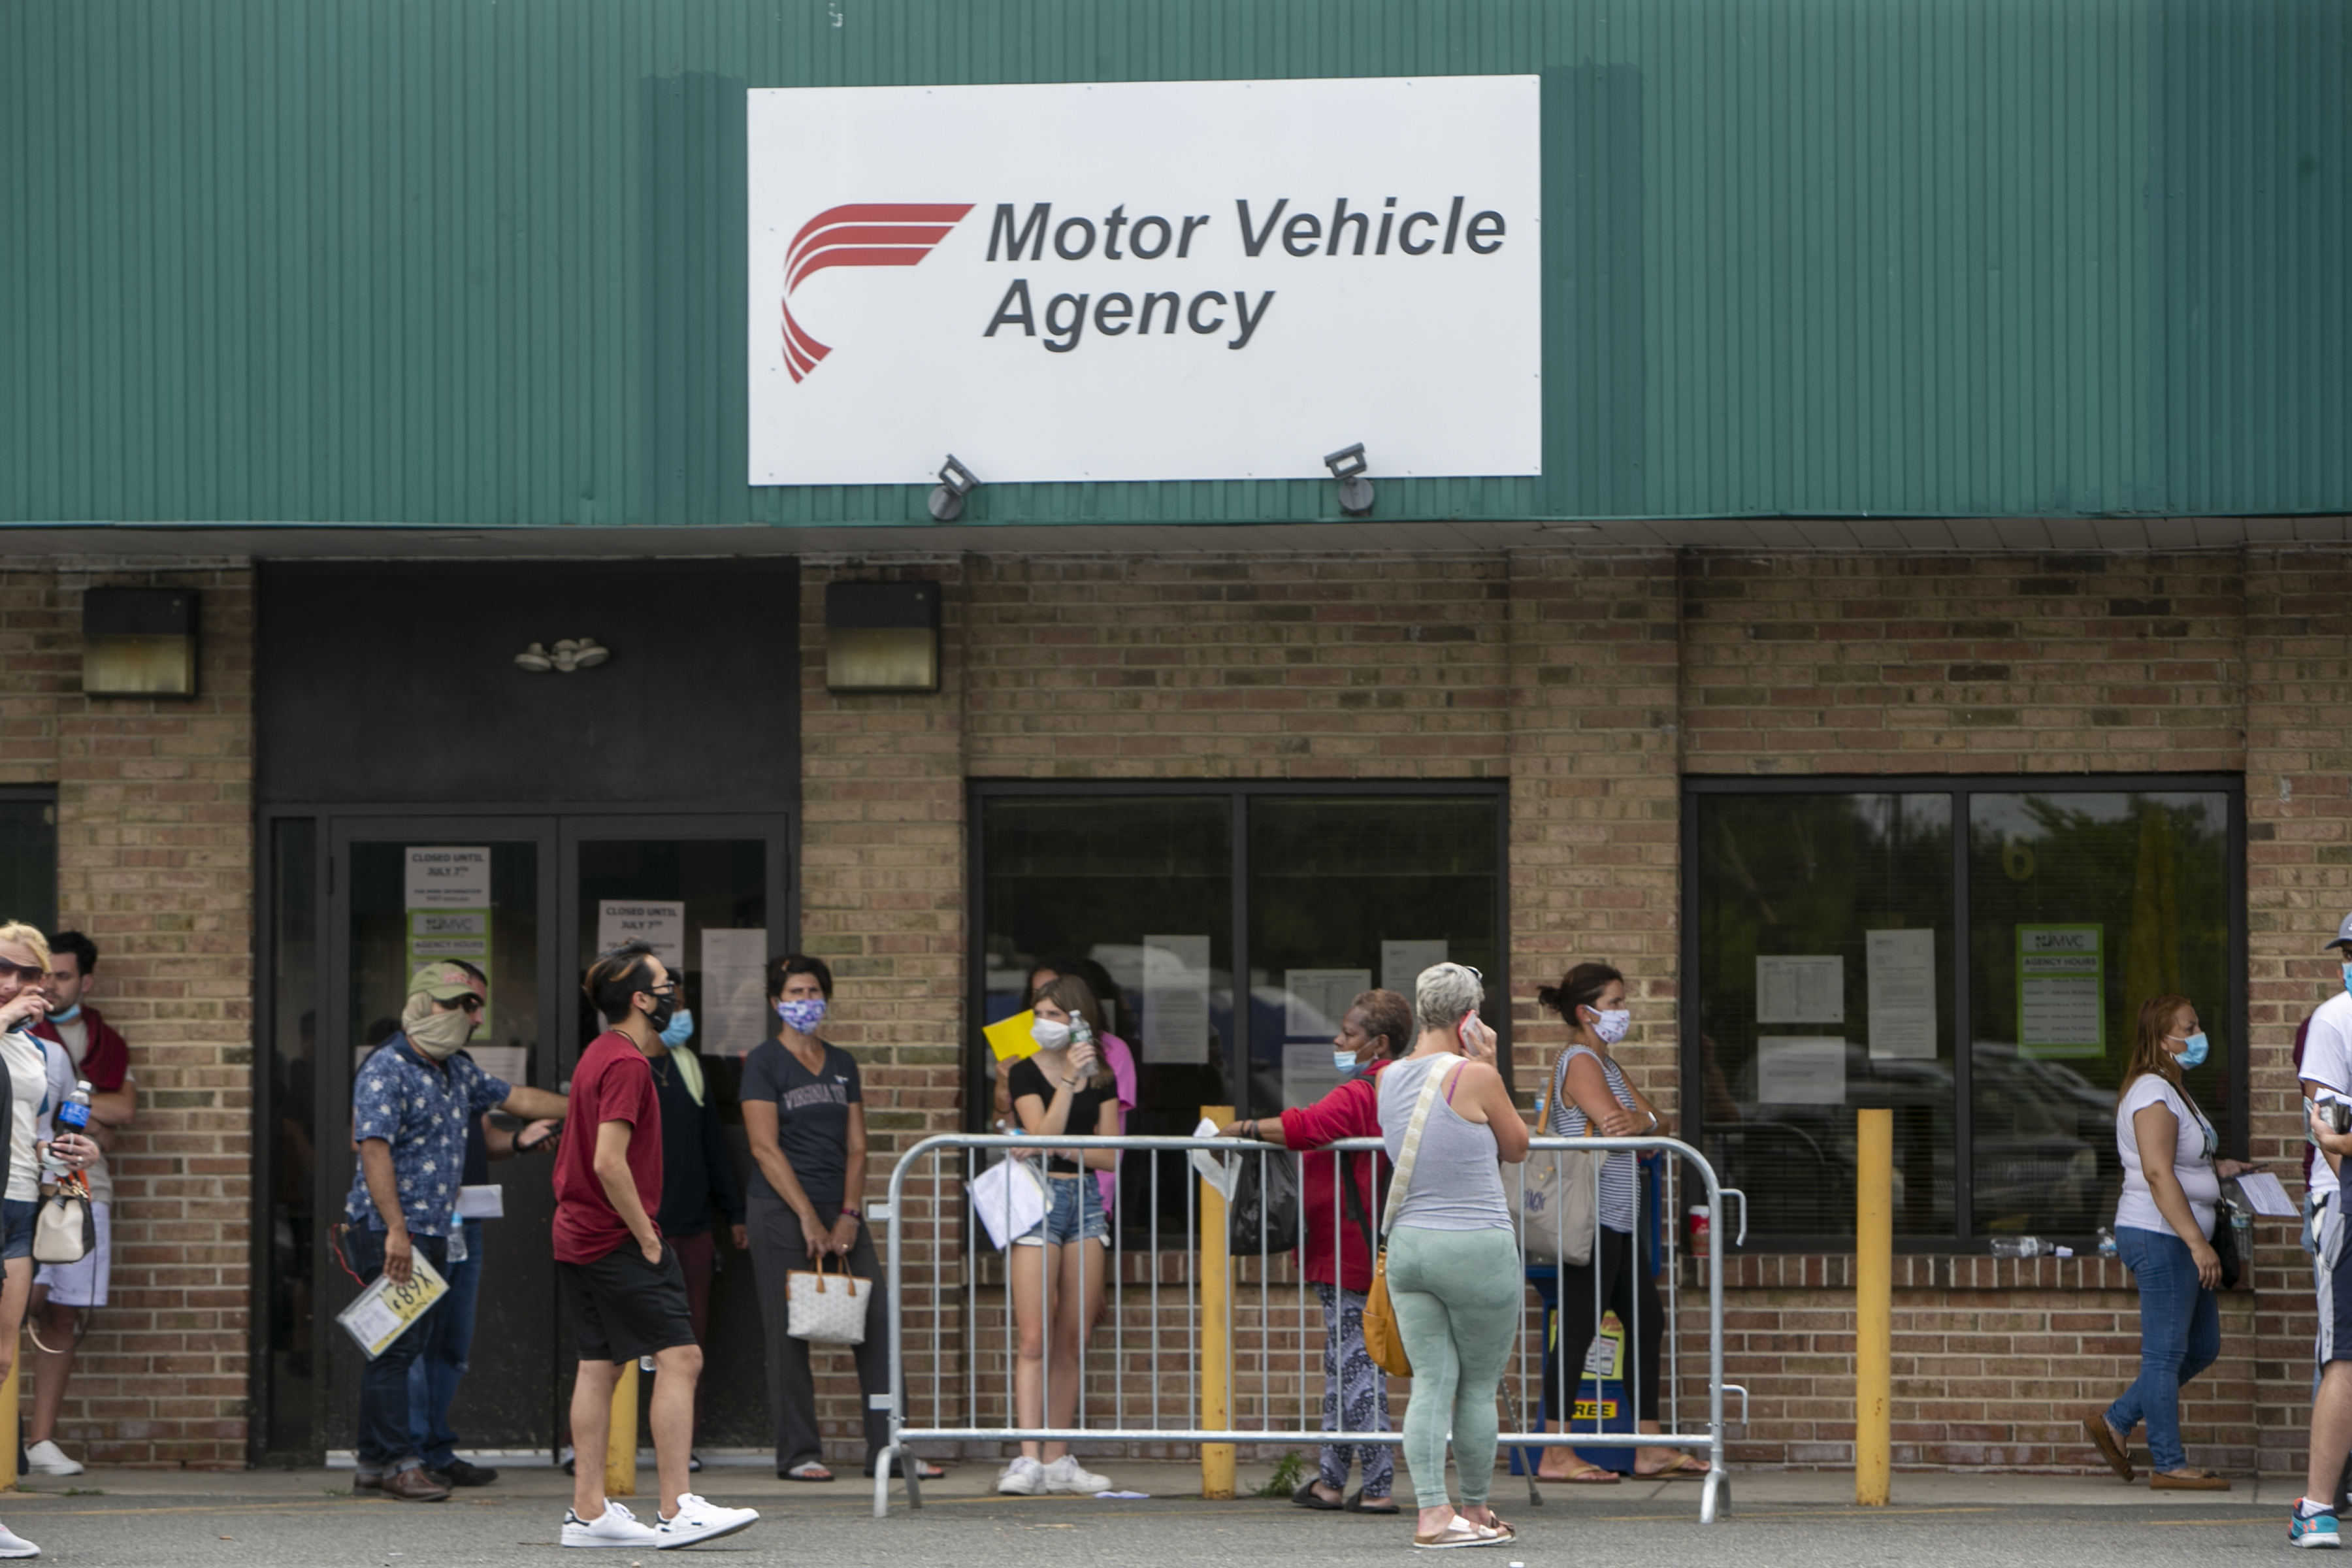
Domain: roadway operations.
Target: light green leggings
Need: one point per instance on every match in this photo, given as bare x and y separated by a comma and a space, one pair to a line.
1456, 1294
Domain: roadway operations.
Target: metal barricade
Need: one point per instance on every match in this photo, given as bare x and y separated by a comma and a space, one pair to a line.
952, 1234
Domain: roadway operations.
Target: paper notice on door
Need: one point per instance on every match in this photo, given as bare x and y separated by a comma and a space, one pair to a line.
1176, 999
734, 1016
447, 907
1403, 962
508, 1064
440, 878
2061, 991
1800, 1069
661, 926
1317, 999
1902, 995
1307, 1075
1795, 990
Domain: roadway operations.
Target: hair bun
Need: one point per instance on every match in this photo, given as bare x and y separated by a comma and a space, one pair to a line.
1548, 996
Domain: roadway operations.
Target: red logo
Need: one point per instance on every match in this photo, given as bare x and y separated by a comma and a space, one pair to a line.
868, 233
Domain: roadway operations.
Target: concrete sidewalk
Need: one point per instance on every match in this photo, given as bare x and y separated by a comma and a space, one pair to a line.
265, 1518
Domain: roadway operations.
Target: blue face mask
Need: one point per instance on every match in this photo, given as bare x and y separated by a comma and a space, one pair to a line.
1343, 1060
2192, 1051
680, 1030
71, 1014
803, 1013
2347, 977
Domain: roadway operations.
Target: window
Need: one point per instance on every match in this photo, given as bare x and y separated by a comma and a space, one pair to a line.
28, 855
1161, 894
1846, 941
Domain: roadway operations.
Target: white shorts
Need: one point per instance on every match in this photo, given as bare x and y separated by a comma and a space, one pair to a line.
83, 1284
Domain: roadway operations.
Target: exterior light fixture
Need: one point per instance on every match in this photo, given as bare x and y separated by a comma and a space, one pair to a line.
139, 642
956, 481
1348, 466
882, 636
568, 655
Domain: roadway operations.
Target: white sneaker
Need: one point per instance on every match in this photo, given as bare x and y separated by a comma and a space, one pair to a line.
48, 1459
1065, 1475
699, 1519
14, 1545
1025, 1476
616, 1526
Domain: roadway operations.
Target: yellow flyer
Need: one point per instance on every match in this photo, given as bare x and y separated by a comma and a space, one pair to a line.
383, 1312
1011, 1039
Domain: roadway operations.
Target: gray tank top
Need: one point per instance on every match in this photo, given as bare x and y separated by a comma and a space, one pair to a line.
1456, 1184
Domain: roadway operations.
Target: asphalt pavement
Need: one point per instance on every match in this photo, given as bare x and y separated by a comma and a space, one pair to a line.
301, 1519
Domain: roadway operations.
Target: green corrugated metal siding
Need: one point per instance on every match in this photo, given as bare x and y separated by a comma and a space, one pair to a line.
474, 262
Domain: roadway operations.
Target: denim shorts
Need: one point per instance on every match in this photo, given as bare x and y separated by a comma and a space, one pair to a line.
16, 1219
1073, 1209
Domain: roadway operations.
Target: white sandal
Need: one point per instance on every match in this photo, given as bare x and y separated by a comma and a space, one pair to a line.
1460, 1531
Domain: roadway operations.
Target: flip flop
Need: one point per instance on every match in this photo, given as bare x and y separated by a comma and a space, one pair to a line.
1460, 1531
812, 1471
2102, 1438
1594, 1475
1305, 1498
1356, 1504
1686, 1468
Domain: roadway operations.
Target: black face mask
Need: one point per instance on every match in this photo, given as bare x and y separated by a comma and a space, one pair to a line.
665, 1008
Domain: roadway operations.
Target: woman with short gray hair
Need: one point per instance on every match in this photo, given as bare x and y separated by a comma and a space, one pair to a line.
1453, 1261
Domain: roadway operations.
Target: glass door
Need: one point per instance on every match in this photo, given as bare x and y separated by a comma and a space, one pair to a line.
479, 893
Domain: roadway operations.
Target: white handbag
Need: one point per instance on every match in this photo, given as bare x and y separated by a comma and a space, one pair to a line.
66, 1230
826, 1309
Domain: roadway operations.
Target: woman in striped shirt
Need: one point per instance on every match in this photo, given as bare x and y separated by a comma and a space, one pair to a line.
1591, 1095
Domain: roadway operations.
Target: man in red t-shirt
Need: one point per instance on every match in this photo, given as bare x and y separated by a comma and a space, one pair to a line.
622, 1282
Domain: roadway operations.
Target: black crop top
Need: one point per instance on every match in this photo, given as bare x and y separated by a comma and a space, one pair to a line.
1085, 1106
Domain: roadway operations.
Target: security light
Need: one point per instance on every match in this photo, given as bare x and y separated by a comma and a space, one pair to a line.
1348, 466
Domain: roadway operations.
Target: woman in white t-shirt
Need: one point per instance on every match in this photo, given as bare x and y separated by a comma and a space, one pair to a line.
2172, 1186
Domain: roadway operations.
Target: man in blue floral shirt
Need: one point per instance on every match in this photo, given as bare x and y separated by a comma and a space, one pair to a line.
410, 1109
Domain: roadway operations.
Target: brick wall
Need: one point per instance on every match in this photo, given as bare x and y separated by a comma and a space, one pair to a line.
156, 863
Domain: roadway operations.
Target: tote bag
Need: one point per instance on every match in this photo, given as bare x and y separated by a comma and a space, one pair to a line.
826, 1309
1558, 1198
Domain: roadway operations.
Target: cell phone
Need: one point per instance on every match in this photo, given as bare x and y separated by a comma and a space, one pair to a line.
2340, 1114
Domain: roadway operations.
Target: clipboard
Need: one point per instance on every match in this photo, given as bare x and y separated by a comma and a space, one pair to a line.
383, 1312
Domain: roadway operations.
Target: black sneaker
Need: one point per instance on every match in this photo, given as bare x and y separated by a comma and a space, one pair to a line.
458, 1473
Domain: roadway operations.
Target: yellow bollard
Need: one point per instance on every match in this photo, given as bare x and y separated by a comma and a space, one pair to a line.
621, 1438
1217, 1326
9, 1427
1873, 1307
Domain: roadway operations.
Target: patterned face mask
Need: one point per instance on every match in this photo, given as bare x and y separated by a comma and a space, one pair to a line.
802, 1014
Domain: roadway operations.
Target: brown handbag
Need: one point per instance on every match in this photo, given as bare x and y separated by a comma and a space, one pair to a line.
1382, 1342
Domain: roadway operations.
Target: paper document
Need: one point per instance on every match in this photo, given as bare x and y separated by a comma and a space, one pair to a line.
1800, 1069
482, 1202
1222, 1172
735, 1015
383, 1312
1009, 1199
1902, 995
1799, 988
2265, 1196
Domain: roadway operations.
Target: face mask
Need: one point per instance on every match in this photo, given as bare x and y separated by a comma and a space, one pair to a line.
1611, 1025
2347, 977
802, 1014
68, 1016
438, 1035
1049, 1035
665, 1008
681, 1029
1344, 1060
2192, 1050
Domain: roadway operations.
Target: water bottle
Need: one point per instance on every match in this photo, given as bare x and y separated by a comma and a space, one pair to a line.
458, 1250
2106, 1241
2020, 1247
73, 1116
2242, 1230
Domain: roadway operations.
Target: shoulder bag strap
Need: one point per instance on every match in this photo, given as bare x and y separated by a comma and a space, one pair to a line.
1355, 1202
1411, 1150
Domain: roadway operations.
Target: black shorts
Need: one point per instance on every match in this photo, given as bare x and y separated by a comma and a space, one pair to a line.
624, 1307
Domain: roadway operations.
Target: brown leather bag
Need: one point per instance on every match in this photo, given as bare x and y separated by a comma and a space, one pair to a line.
1382, 1342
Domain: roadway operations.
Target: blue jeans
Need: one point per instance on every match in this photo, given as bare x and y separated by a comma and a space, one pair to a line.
1074, 1212
2180, 1335
383, 1440
440, 1366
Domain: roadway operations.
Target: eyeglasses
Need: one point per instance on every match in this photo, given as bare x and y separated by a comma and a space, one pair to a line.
22, 971
668, 987
470, 1003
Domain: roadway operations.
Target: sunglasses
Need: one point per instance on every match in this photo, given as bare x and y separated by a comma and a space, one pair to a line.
24, 972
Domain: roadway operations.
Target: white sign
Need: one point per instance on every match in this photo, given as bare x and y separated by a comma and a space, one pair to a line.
1799, 1071
1176, 999
1400, 965
1800, 990
735, 1015
660, 926
1145, 280
444, 878
1902, 995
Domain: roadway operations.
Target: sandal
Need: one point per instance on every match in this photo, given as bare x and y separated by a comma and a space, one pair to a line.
1305, 1498
1460, 1531
2102, 1438
812, 1471
1590, 1476
1686, 1468
1356, 1504
924, 1470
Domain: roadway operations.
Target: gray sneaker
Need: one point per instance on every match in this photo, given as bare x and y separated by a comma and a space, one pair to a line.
1024, 1477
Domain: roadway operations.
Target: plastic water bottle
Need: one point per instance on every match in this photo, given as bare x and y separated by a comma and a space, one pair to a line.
458, 1250
2020, 1247
74, 1114
2106, 1241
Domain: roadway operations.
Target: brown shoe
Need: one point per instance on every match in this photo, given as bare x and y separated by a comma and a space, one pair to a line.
2102, 1438
412, 1485
2187, 1481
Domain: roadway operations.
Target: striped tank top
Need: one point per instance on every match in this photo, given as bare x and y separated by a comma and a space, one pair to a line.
1567, 1121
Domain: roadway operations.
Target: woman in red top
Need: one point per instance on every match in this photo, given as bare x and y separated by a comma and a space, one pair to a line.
1339, 1249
